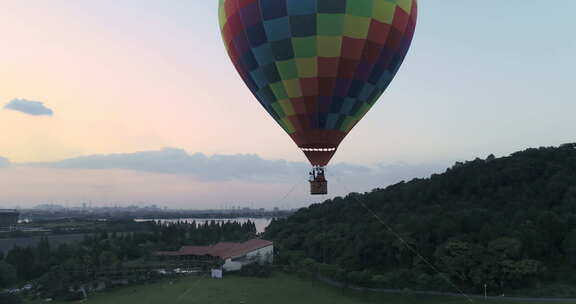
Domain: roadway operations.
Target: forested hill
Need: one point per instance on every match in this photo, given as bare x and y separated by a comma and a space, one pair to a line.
508, 222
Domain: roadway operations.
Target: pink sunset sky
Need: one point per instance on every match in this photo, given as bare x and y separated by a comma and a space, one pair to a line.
123, 77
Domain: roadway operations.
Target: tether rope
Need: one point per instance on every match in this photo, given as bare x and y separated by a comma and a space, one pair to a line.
404, 242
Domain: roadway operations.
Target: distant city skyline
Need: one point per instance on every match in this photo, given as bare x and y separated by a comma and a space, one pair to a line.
48, 206
81, 78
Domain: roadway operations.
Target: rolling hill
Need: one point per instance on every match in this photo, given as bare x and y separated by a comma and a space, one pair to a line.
507, 222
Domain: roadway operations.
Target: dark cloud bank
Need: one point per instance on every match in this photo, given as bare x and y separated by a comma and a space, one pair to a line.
245, 167
30, 107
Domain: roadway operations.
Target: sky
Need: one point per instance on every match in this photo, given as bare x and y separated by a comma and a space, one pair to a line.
87, 88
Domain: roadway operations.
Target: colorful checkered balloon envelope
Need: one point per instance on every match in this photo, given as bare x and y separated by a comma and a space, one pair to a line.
317, 66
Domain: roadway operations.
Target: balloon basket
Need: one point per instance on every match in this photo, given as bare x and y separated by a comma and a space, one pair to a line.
318, 182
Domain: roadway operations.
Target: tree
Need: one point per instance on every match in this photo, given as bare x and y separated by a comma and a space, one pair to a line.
108, 259
499, 221
505, 248
457, 259
8, 275
43, 255
569, 246
24, 261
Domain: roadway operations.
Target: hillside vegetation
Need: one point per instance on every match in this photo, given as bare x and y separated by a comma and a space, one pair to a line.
508, 222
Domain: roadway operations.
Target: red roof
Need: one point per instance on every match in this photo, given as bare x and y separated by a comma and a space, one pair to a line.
223, 250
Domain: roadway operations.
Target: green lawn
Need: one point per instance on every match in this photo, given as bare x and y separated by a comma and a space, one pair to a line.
279, 289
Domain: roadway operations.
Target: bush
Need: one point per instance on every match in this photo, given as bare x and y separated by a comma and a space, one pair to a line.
73, 296
287, 257
333, 272
360, 278
439, 283
307, 268
401, 278
6, 298
380, 280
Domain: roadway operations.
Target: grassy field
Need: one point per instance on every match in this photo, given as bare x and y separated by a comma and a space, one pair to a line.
279, 289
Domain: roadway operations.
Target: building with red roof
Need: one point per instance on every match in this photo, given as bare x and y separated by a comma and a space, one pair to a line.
234, 255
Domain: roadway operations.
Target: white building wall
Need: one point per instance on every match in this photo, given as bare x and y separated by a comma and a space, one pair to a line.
230, 265
261, 256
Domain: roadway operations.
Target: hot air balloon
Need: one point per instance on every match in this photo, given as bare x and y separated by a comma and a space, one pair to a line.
317, 66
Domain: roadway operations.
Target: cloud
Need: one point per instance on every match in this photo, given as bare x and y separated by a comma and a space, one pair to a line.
245, 167
35, 108
4, 162
192, 180
178, 161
